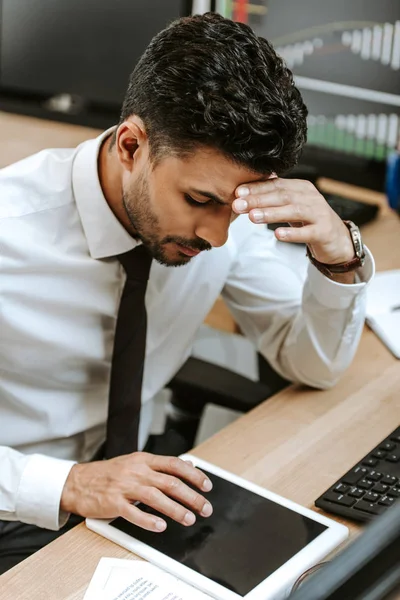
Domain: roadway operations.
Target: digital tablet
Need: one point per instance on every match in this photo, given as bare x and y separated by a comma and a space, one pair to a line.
254, 546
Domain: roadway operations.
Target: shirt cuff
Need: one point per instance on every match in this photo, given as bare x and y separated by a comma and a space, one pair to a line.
333, 294
40, 490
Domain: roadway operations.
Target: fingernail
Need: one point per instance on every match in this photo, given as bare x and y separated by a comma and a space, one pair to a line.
243, 191
282, 234
240, 205
258, 215
189, 518
207, 485
161, 525
207, 510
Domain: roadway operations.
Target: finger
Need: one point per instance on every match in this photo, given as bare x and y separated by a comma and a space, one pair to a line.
272, 198
141, 519
302, 235
274, 183
171, 465
175, 488
280, 197
156, 499
290, 213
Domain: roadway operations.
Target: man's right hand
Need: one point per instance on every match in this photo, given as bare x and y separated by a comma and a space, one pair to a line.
107, 489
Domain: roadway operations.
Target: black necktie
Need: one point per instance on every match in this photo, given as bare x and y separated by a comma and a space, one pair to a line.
128, 356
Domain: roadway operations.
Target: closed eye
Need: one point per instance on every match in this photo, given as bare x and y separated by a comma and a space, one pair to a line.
198, 203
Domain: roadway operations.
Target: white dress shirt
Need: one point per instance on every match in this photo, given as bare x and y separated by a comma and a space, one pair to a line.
60, 287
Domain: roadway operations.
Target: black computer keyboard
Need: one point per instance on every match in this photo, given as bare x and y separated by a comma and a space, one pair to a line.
352, 210
370, 487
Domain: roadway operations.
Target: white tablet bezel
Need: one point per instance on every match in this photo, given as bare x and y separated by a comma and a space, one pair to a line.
274, 587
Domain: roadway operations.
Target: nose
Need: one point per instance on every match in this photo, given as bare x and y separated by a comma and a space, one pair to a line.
214, 228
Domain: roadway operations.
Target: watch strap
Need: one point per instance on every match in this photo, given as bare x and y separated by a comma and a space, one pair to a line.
328, 269
346, 267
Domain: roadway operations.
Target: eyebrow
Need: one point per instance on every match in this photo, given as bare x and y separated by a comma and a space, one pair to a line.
211, 196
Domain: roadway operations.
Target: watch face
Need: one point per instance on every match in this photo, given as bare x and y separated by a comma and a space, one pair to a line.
356, 237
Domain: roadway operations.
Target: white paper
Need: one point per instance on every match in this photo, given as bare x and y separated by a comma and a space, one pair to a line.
383, 293
119, 579
383, 308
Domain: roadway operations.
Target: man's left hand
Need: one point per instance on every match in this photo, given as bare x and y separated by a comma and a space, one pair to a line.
298, 202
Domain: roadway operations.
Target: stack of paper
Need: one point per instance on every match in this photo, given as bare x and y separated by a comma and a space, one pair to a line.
118, 579
383, 308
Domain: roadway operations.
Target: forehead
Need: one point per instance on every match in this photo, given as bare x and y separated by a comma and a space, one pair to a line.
206, 169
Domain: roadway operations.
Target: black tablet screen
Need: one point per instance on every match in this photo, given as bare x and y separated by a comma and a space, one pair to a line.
245, 540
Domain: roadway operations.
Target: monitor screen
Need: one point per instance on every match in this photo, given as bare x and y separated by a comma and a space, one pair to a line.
245, 540
346, 60
86, 48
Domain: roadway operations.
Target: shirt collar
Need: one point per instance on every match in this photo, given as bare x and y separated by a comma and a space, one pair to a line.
104, 233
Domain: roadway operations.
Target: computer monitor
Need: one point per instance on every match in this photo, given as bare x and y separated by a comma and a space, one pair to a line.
346, 59
367, 569
82, 48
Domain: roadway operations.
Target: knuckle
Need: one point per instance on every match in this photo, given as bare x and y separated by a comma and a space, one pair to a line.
257, 201
150, 495
171, 484
309, 186
137, 457
178, 512
197, 502
174, 463
277, 182
284, 196
298, 210
138, 474
124, 474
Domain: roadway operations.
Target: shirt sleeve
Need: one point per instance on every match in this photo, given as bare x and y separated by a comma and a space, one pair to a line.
305, 325
31, 488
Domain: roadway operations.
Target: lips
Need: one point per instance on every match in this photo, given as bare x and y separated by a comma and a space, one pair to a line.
187, 251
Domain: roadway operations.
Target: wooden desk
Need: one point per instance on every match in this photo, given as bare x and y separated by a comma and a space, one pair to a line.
295, 444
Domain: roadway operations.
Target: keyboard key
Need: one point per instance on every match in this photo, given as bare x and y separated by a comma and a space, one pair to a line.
390, 480
370, 462
341, 488
372, 497
339, 499
386, 501
379, 488
355, 492
387, 446
364, 484
369, 507
354, 475
371, 486
374, 476
379, 454
394, 458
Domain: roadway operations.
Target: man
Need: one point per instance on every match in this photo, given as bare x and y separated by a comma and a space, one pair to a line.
210, 122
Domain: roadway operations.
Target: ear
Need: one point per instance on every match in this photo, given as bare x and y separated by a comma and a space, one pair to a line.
132, 143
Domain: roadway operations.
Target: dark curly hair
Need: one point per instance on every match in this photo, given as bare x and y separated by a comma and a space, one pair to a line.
208, 81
